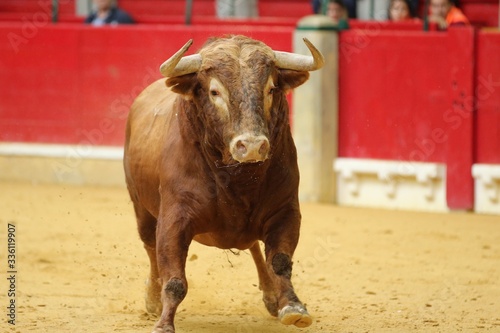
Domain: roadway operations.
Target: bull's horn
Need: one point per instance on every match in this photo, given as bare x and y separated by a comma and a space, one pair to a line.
299, 62
178, 65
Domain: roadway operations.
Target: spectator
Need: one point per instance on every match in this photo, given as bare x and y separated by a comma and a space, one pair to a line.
316, 6
349, 4
351, 8
446, 14
400, 10
337, 11
106, 12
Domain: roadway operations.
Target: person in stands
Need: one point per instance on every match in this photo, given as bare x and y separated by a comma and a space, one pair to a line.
400, 11
351, 5
106, 12
445, 14
337, 11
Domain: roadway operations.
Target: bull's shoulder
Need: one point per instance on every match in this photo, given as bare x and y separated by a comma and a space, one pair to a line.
149, 123
155, 96
152, 109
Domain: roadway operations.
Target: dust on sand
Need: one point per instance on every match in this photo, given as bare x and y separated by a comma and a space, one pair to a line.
82, 268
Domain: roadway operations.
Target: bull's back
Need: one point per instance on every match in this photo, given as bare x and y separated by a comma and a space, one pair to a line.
149, 122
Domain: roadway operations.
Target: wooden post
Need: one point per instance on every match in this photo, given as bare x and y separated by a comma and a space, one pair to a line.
315, 112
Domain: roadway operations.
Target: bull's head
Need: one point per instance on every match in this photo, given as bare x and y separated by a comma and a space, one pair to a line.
239, 87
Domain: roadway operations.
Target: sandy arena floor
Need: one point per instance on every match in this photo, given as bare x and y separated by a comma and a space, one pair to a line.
82, 268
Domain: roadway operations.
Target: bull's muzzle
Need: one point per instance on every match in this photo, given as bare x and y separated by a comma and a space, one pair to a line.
246, 148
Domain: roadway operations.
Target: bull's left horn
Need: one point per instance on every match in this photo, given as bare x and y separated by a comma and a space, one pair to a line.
178, 65
299, 62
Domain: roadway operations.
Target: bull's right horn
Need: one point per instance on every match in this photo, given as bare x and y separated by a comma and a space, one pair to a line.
178, 65
299, 62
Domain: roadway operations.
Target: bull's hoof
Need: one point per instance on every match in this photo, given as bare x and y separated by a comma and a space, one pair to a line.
164, 329
153, 301
153, 307
159, 330
295, 314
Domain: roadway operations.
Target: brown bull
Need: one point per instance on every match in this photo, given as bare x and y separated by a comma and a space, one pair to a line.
209, 156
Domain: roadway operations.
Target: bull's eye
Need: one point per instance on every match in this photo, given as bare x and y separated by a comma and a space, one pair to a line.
217, 94
272, 90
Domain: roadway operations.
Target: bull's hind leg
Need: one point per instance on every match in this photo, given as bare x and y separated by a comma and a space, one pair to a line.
266, 284
153, 286
146, 224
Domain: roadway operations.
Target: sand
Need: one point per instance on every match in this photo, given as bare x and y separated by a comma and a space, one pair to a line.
81, 268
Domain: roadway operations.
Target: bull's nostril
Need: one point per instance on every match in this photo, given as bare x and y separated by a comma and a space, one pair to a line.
240, 146
264, 148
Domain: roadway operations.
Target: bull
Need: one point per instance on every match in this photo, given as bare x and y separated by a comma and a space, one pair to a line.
209, 156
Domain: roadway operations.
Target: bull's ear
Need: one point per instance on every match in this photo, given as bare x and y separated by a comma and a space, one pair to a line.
183, 85
289, 79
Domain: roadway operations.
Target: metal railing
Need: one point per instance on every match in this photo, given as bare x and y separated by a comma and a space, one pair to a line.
189, 11
55, 10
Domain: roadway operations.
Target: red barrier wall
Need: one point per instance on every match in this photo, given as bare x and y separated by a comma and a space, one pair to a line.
74, 83
402, 80
373, 25
157, 11
487, 92
407, 96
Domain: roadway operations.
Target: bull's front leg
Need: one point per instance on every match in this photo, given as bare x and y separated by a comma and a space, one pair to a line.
172, 244
280, 246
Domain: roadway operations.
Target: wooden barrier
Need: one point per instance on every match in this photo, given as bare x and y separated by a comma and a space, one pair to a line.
486, 169
157, 11
487, 143
75, 83
406, 96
